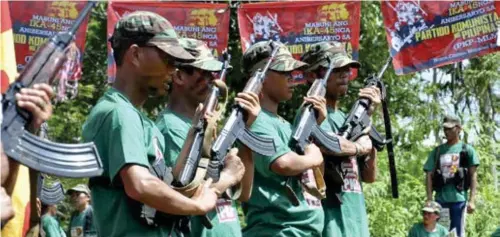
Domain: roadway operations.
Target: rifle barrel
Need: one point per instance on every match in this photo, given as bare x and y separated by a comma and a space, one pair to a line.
81, 17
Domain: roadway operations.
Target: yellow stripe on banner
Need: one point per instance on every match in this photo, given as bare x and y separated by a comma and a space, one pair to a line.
17, 226
8, 58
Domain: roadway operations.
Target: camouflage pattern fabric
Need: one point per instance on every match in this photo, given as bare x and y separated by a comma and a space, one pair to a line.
204, 59
150, 29
258, 55
319, 52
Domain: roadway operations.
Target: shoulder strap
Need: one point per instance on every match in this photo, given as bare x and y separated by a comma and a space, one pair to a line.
87, 224
464, 155
436, 159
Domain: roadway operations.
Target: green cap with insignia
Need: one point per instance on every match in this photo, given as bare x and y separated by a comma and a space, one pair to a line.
451, 121
151, 29
431, 206
258, 55
203, 55
319, 52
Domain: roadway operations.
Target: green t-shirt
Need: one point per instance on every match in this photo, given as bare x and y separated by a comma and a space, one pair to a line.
418, 230
350, 218
496, 233
81, 224
449, 161
123, 135
51, 226
175, 128
269, 212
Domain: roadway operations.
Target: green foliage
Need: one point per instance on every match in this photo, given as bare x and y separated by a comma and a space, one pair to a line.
415, 105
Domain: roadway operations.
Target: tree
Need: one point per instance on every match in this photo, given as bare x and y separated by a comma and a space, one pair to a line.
415, 105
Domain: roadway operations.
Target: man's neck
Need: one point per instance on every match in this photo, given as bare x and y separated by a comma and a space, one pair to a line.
82, 208
431, 227
180, 104
332, 103
269, 104
124, 83
452, 141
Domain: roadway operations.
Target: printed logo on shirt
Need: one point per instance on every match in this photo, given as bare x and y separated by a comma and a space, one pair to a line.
225, 211
77, 231
312, 201
351, 176
449, 164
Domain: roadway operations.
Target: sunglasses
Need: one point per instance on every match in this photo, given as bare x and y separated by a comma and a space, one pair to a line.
449, 129
288, 75
342, 70
428, 213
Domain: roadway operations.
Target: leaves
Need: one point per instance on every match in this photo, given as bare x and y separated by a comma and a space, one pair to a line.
417, 104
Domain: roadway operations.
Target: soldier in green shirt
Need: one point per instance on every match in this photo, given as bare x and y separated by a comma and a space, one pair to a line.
269, 211
496, 233
429, 227
348, 218
146, 50
190, 87
81, 222
50, 225
450, 170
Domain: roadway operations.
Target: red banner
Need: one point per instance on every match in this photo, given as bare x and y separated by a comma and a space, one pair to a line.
34, 22
301, 24
207, 22
424, 35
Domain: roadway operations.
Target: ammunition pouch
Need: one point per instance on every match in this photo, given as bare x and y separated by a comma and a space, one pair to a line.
460, 180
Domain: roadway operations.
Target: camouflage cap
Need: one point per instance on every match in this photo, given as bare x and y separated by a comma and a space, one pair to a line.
81, 188
258, 55
150, 29
431, 206
451, 121
318, 53
203, 56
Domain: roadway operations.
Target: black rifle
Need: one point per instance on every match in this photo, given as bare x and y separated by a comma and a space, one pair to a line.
358, 120
65, 160
235, 128
194, 144
306, 129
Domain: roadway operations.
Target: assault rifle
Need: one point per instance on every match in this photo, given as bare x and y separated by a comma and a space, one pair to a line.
307, 129
65, 160
235, 128
358, 120
194, 146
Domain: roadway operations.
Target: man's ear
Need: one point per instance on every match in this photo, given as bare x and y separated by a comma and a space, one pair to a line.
178, 77
134, 55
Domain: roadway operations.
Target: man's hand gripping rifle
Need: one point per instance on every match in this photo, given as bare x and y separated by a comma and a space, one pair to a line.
234, 128
190, 169
306, 130
65, 160
358, 120
197, 145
